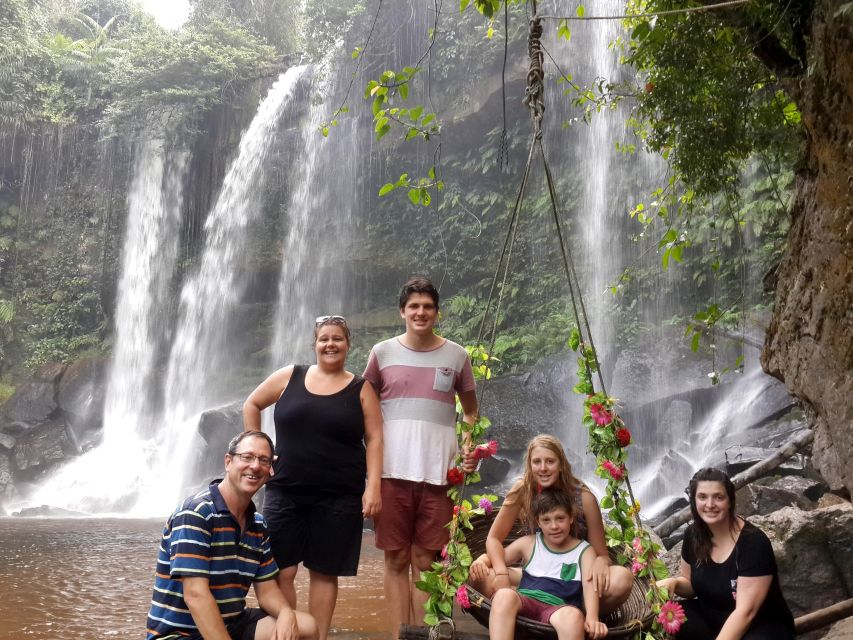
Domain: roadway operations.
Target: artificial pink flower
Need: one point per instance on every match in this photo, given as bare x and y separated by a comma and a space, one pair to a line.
444, 552
486, 505
456, 509
487, 450
671, 616
617, 473
455, 476
637, 545
462, 597
623, 437
600, 414
637, 566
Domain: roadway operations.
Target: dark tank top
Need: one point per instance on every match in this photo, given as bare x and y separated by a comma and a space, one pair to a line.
319, 440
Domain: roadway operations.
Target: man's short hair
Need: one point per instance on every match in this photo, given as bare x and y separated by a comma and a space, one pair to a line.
418, 284
243, 435
550, 499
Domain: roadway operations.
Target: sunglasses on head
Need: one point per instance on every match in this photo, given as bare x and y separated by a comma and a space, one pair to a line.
329, 319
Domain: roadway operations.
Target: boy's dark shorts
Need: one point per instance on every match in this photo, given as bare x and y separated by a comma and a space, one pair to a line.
322, 531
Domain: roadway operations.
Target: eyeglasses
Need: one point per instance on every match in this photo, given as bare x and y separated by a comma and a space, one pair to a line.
329, 319
248, 458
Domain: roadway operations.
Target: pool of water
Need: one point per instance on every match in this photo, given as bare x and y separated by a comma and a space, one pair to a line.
72, 579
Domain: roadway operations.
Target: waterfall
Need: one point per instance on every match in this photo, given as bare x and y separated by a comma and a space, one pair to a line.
199, 357
320, 213
150, 246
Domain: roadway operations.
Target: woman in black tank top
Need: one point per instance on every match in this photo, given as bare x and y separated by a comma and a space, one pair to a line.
328, 437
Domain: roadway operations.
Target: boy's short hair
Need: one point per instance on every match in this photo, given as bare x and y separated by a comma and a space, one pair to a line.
550, 499
418, 284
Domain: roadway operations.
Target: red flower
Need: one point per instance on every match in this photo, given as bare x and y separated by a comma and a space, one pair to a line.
600, 414
462, 597
616, 472
483, 451
650, 86
455, 476
623, 437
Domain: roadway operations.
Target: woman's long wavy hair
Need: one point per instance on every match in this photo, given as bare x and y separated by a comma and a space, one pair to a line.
566, 480
703, 540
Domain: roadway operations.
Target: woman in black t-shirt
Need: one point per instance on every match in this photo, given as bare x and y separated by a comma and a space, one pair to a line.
728, 571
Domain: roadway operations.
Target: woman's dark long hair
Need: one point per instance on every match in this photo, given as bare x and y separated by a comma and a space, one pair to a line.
703, 541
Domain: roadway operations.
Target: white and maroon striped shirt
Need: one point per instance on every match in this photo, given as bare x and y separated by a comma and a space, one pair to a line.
418, 394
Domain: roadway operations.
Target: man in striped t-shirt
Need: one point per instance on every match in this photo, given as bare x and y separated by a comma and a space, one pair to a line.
418, 376
214, 547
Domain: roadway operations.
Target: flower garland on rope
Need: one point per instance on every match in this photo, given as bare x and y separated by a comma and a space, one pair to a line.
609, 438
446, 579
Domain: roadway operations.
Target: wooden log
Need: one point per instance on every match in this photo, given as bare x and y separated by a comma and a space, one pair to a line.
756, 471
824, 617
410, 632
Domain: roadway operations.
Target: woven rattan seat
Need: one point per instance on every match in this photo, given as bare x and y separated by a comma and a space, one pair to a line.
632, 616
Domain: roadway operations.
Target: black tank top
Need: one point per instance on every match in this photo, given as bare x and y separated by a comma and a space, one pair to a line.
319, 440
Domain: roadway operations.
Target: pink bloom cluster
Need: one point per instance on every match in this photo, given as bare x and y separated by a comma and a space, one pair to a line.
670, 617
487, 450
462, 597
637, 545
616, 472
623, 437
637, 566
486, 505
455, 476
600, 414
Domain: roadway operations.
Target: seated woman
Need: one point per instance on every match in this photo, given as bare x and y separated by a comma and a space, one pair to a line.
317, 498
727, 570
546, 466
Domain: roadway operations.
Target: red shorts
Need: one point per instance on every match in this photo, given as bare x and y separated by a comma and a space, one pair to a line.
412, 513
534, 609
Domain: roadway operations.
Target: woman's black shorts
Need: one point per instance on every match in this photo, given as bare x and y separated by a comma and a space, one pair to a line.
321, 530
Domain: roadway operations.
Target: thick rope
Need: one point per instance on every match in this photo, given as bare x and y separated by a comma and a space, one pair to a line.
534, 94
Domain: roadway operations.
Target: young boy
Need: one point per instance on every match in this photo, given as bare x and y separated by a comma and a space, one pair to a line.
552, 588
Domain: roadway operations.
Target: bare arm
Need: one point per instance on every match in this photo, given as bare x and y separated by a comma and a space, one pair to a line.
371, 501
751, 593
470, 408
599, 574
203, 608
263, 396
273, 602
593, 627
681, 585
498, 532
519, 550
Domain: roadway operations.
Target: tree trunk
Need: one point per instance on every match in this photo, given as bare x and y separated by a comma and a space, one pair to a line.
809, 344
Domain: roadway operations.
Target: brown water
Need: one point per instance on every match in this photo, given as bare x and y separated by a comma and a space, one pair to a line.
63, 579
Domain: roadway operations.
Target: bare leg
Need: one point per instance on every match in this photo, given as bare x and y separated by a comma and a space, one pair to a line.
421, 561
621, 582
505, 607
307, 627
397, 588
487, 586
322, 595
285, 581
568, 622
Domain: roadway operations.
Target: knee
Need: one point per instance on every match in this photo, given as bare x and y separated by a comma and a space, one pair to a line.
398, 561
307, 625
567, 617
505, 600
621, 582
422, 559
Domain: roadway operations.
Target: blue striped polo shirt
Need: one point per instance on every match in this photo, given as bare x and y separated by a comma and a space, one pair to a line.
202, 539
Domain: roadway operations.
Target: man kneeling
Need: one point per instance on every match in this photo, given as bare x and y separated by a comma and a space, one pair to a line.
214, 547
552, 588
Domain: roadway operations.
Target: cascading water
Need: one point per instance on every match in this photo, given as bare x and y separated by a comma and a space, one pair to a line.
150, 247
146, 456
320, 230
199, 356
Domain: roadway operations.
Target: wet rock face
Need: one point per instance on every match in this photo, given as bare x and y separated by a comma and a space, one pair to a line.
809, 343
